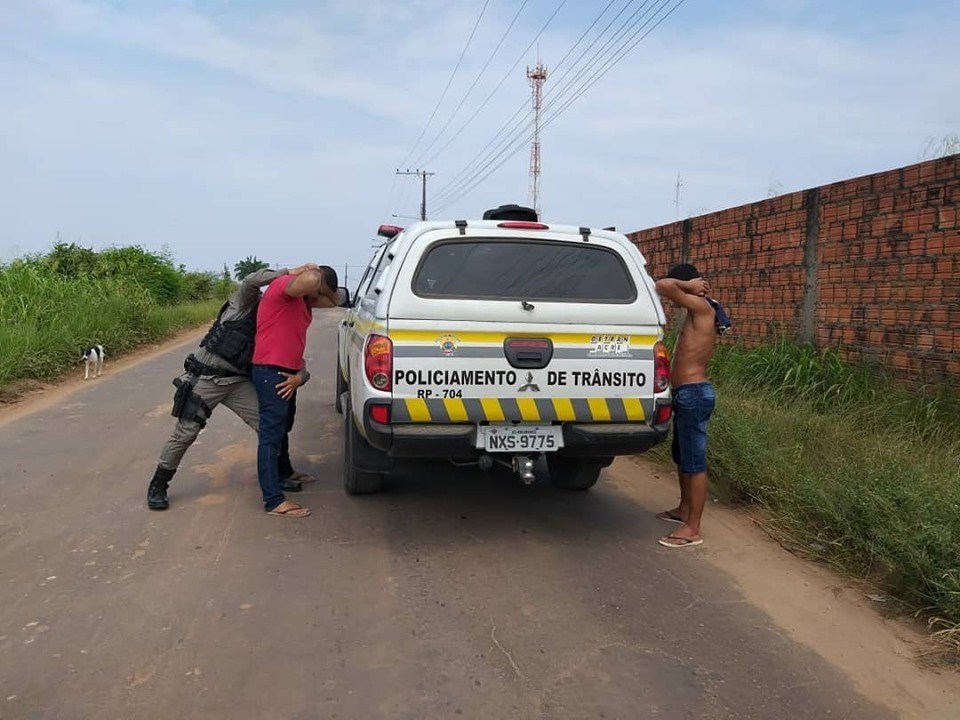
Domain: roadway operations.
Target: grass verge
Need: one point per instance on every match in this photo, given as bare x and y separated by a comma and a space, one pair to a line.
45, 324
852, 469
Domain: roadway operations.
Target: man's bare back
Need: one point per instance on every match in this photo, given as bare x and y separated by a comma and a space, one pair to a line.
698, 336
695, 346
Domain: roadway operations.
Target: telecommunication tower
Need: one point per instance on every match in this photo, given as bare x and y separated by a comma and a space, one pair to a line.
537, 76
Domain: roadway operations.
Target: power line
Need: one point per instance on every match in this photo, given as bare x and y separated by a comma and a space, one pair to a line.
560, 87
508, 145
449, 82
405, 190
616, 57
477, 79
393, 190
633, 41
423, 175
591, 81
505, 128
500, 84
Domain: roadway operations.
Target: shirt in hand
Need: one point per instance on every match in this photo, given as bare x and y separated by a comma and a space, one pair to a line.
282, 323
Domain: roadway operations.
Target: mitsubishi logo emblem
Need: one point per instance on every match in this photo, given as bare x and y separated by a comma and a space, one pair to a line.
529, 384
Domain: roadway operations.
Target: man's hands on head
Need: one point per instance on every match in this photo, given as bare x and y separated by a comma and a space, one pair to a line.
301, 268
307, 282
689, 294
698, 286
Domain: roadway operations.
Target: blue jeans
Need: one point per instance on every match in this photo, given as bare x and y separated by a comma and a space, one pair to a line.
276, 420
692, 406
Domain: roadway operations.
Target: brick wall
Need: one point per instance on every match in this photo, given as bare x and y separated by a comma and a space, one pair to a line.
871, 264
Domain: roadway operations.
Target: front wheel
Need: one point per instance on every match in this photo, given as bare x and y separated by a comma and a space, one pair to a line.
574, 473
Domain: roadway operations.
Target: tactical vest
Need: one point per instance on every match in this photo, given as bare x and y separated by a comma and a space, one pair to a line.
233, 340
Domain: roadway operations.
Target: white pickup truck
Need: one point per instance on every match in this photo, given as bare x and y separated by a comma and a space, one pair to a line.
497, 342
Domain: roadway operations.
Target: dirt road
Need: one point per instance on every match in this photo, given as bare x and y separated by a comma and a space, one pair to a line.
457, 594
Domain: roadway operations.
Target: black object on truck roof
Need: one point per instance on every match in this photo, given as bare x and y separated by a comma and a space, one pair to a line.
511, 212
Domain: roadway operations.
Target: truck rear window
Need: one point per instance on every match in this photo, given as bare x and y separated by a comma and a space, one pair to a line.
524, 270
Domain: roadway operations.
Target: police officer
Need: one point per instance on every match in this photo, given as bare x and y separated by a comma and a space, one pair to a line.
218, 372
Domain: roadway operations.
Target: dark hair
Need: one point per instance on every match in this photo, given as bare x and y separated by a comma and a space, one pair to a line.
683, 271
329, 276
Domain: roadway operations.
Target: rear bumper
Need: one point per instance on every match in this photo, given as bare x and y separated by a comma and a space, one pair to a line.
428, 440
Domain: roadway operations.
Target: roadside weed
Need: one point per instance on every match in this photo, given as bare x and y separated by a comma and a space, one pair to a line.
854, 469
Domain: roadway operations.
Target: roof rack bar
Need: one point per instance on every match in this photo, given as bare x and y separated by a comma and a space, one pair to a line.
461, 226
585, 233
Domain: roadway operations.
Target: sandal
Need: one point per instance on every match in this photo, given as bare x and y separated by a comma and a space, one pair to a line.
292, 510
675, 541
668, 516
301, 477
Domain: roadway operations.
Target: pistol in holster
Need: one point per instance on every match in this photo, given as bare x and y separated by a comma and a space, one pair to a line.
187, 405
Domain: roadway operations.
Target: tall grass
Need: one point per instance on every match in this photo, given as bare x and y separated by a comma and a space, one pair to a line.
47, 318
853, 468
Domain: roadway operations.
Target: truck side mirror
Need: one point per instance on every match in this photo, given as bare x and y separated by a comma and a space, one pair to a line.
343, 298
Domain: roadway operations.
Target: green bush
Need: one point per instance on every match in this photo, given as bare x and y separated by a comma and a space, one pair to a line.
199, 285
153, 272
52, 306
853, 468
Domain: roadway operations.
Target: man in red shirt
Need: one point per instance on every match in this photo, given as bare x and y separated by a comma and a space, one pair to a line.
284, 314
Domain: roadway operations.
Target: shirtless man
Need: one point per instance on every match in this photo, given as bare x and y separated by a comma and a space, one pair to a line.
693, 400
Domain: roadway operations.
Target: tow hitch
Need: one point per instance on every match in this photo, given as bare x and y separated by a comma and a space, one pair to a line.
523, 466
520, 464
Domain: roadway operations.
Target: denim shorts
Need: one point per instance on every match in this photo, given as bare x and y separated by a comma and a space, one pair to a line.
692, 406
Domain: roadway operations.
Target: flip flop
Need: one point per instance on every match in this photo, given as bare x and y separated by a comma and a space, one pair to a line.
302, 477
294, 511
679, 542
668, 516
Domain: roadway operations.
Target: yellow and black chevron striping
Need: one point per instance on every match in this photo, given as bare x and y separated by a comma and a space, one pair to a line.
456, 410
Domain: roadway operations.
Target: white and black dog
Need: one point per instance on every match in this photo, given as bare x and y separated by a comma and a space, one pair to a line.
92, 359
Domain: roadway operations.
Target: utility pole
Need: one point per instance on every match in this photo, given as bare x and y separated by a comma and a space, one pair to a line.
423, 175
676, 198
536, 77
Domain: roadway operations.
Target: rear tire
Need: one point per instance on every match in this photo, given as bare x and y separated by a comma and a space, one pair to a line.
572, 473
357, 481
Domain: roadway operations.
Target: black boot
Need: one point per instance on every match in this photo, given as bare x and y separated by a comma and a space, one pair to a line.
157, 492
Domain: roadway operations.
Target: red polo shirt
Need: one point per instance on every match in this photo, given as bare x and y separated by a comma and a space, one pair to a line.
282, 323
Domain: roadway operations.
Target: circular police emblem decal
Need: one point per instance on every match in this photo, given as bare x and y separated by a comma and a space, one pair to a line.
448, 344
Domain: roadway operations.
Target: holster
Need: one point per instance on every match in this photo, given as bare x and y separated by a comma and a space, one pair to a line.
187, 405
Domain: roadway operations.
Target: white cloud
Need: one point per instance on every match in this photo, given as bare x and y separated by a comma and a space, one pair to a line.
226, 133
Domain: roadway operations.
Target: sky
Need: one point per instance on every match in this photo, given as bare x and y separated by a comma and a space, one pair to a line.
228, 128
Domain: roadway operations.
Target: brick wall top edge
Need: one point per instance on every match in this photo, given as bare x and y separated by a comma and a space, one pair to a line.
926, 168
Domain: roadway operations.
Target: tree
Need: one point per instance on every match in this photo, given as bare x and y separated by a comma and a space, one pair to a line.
249, 264
938, 147
225, 285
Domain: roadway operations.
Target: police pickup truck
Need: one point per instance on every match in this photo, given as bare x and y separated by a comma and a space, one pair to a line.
498, 342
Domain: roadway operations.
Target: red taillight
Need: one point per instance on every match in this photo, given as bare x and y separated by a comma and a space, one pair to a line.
661, 368
380, 414
523, 225
378, 362
389, 231
663, 414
